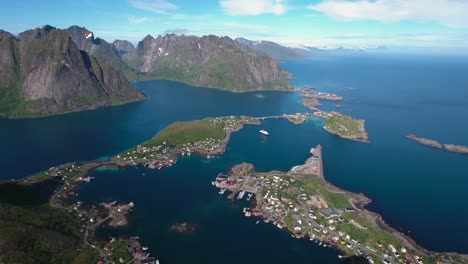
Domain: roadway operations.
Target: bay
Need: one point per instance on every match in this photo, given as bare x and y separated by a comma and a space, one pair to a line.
419, 190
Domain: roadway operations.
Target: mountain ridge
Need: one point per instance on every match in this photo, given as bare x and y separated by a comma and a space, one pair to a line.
273, 49
208, 61
43, 72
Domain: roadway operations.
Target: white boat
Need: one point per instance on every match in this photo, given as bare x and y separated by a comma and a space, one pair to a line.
257, 222
264, 132
222, 191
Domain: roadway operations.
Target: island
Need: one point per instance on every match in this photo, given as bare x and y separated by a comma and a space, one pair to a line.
207, 137
311, 103
308, 92
435, 144
310, 97
297, 118
338, 124
184, 228
304, 203
344, 126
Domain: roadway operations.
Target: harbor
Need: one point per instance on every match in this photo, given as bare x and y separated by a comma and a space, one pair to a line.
304, 203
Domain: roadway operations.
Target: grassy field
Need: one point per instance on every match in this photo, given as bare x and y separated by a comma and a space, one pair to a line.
180, 133
314, 185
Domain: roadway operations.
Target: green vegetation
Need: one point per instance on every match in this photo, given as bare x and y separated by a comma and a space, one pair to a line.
344, 125
314, 185
41, 234
119, 250
180, 133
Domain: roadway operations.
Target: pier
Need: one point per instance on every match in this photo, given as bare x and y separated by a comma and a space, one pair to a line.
318, 153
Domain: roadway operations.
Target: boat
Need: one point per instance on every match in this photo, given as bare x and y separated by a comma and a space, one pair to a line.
264, 132
241, 194
258, 221
222, 191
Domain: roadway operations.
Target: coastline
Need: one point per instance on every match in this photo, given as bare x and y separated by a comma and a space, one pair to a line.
358, 200
435, 144
292, 89
73, 111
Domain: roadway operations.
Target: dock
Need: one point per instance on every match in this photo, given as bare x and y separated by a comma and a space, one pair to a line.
317, 152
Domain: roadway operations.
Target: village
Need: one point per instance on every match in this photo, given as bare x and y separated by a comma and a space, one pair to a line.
92, 217
207, 137
303, 203
309, 92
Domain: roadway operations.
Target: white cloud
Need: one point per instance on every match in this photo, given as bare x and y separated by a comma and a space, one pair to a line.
155, 6
452, 13
253, 7
138, 20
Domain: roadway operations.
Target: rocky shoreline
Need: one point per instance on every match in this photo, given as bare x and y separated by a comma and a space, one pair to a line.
243, 176
435, 144
344, 126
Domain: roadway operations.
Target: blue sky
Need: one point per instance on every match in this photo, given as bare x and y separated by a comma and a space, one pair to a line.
435, 24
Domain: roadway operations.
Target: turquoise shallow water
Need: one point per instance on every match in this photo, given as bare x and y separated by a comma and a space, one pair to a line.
419, 190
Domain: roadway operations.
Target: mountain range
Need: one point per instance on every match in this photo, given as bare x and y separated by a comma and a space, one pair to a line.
275, 50
47, 70
43, 72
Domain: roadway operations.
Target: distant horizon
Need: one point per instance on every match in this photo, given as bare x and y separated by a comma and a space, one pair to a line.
433, 25
380, 49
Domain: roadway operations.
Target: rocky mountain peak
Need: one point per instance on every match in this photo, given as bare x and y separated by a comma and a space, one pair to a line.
123, 46
36, 33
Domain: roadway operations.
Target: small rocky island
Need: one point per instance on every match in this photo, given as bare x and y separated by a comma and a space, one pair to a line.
435, 144
310, 98
338, 124
344, 126
184, 228
304, 203
297, 118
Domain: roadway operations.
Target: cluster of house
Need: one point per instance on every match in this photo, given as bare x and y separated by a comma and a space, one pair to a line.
323, 114
308, 215
139, 253
153, 156
306, 92
229, 122
298, 117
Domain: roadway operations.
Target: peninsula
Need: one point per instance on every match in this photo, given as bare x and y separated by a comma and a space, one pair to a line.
344, 126
304, 203
60, 230
435, 144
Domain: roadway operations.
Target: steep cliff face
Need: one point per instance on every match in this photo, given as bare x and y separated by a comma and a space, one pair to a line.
99, 48
206, 61
44, 72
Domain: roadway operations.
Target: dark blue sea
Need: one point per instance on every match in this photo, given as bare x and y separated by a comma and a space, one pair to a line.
418, 190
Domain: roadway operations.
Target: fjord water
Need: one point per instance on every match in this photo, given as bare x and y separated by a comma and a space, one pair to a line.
419, 190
